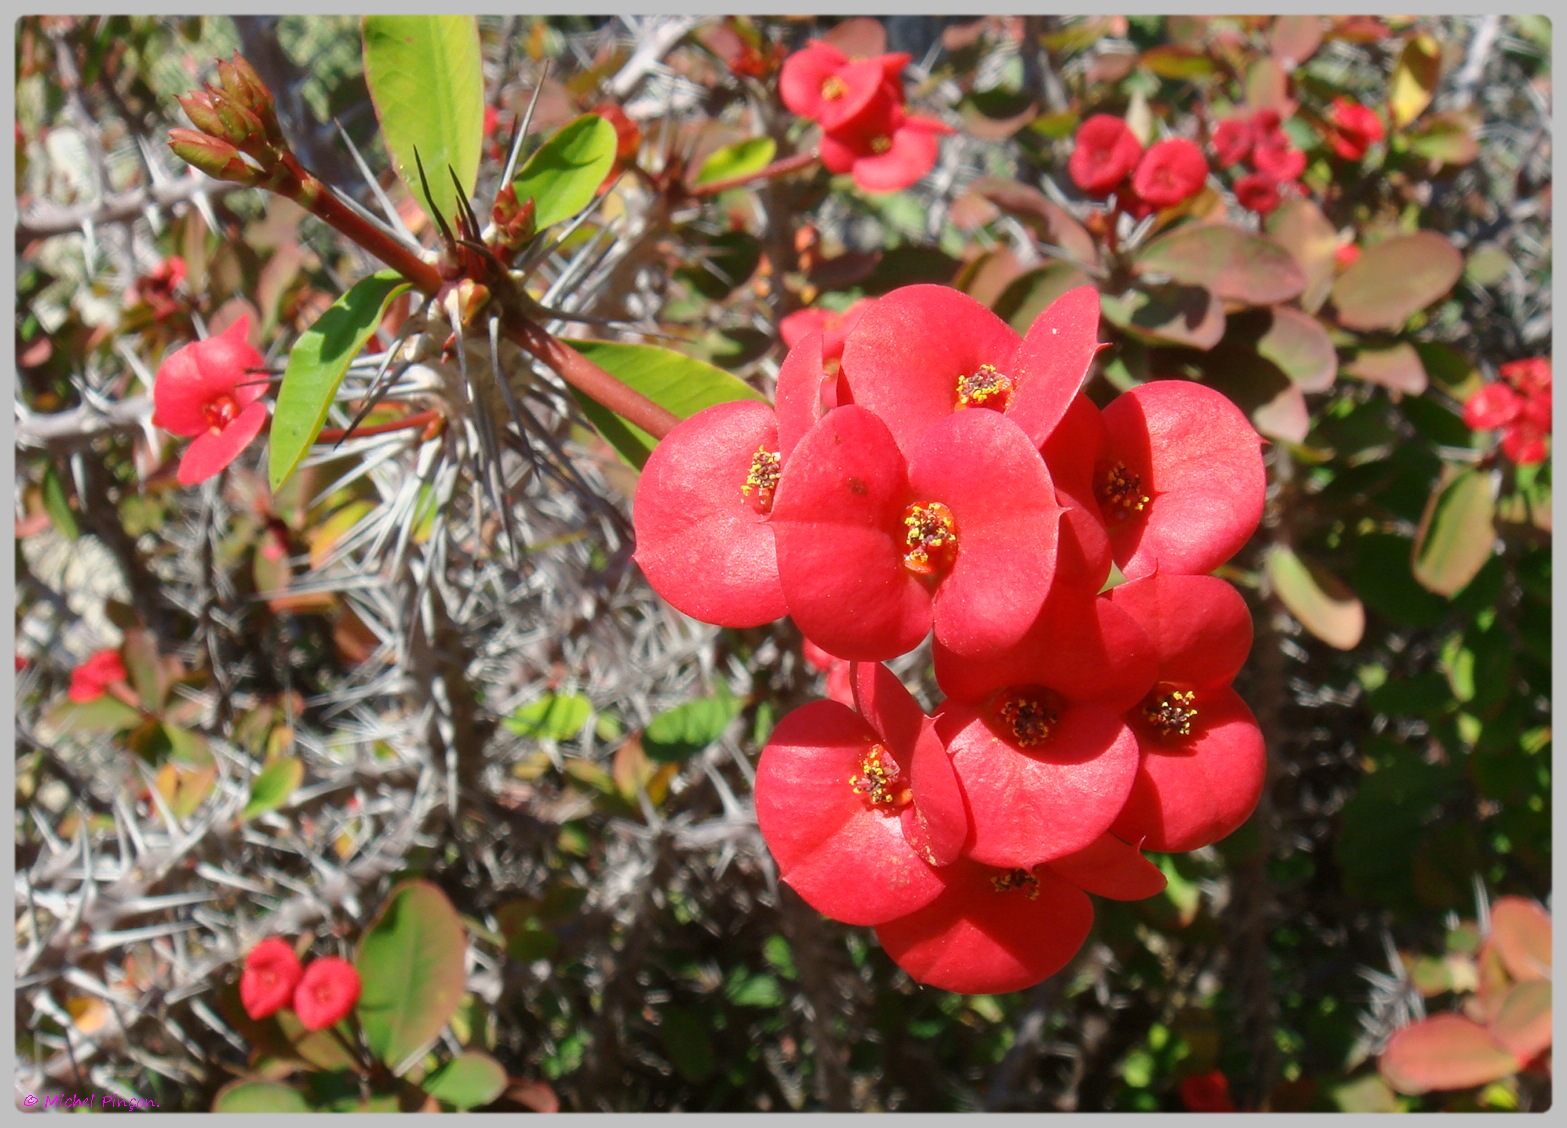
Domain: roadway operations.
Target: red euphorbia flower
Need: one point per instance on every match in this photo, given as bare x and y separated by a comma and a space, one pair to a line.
1036, 734
820, 82
1492, 407
873, 548
885, 149
1257, 192
923, 352
834, 326
1201, 761
1519, 405
991, 930
204, 391
839, 688
326, 993
272, 971
1531, 376
1353, 128
1170, 171
1275, 157
1207, 1092
158, 287
1182, 483
1345, 255
1073, 452
1104, 153
859, 805
92, 679
1232, 140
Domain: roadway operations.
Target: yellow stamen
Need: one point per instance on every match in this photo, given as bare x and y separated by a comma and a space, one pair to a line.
763, 478
930, 538
987, 387
1121, 493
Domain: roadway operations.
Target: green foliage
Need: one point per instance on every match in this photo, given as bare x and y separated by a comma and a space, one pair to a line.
563, 176
413, 966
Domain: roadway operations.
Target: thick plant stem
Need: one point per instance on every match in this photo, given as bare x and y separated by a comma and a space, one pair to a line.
777, 168
589, 379
320, 201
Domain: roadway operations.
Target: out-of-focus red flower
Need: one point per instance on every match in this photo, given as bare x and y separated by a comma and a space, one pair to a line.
628, 135
834, 326
1492, 407
272, 972
1519, 405
1232, 140
204, 391
92, 679
1346, 254
326, 993
823, 84
1170, 171
1276, 157
158, 287
839, 686
1353, 128
1531, 376
1207, 1092
884, 148
1104, 153
1258, 192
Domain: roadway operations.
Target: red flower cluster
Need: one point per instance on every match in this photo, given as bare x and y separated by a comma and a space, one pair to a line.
92, 679
1352, 129
866, 131
206, 391
1107, 157
1207, 1092
951, 477
321, 994
1260, 140
158, 289
1519, 405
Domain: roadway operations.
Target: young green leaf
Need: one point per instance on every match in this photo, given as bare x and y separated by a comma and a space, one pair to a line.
426, 78
259, 1096
555, 716
739, 159
680, 733
57, 504
316, 367
1457, 534
412, 963
273, 785
470, 1079
564, 175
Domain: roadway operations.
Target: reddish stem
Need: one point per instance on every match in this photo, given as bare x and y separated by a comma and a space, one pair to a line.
777, 168
318, 198
407, 423
589, 379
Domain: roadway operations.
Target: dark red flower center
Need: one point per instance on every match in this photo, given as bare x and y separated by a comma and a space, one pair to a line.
1011, 879
220, 411
1121, 493
1028, 715
930, 538
986, 387
880, 781
834, 88
1169, 712
766, 465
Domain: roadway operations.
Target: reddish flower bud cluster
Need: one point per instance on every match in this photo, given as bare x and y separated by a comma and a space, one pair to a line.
1352, 129
951, 478
859, 103
208, 391
1258, 139
1519, 405
92, 679
321, 994
234, 120
1107, 158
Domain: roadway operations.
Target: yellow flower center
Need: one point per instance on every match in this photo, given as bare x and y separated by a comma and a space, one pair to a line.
880, 781
1121, 493
986, 387
881, 144
1029, 715
930, 538
220, 412
1170, 713
834, 88
763, 478
1016, 879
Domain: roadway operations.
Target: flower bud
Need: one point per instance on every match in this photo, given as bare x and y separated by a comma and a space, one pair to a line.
217, 158
246, 89
199, 108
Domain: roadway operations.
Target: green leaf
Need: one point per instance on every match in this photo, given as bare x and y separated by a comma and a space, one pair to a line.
1397, 367
1185, 315
564, 175
1318, 599
106, 714
1234, 265
148, 674
680, 733
1294, 341
1414, 79
672, 380
470, 1079
1449, 139
1395, 278
1299, 226
555, 716
316, 366
259, 1096
426, 78
412, 964
1028, 295
1456, 535
1174, 62
739, 159
57, 504
687, 1042
272, 786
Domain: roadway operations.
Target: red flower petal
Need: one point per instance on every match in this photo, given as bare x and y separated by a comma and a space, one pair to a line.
1034, 805
1170, 171
1054, 360
809, 74
326, 993
802, 392
1523, 443
95, 674
1074, 450
1109, 867
703, 544
1232, 140
272, 972
213, 450
1199, 462
1104, 153
905, 356
201, 372
911, 154
846, 859
1195, 790
1199, 626
1493, 406
981, 939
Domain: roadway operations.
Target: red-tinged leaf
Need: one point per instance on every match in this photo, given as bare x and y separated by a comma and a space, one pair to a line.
1170, 61
1321, 602
1523, 1023
1299, 226
1397, 367
1492, 986
412, 964
1274, 404
1395, 278
858, 37
1184, 315
1234, 264
1446, 1051
259, 1096
1414, 80
1449, 139
1457, 533
1047, 219
1268, 86
1294, 39
1294, 341
1521, 935
988, 275
1030, 294
534, 1095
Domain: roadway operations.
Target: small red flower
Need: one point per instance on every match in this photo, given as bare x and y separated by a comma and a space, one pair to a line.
1257, 192
272, 972
1353, 128
834, 326
1104, 153
884, 148
1346, 255
204, 392
1519, 405
326, 993
1232, 140
1207, 1092
1276, 157
1492, 407
1531, 376
823, 84
92, 679
1170, 171
158, 288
